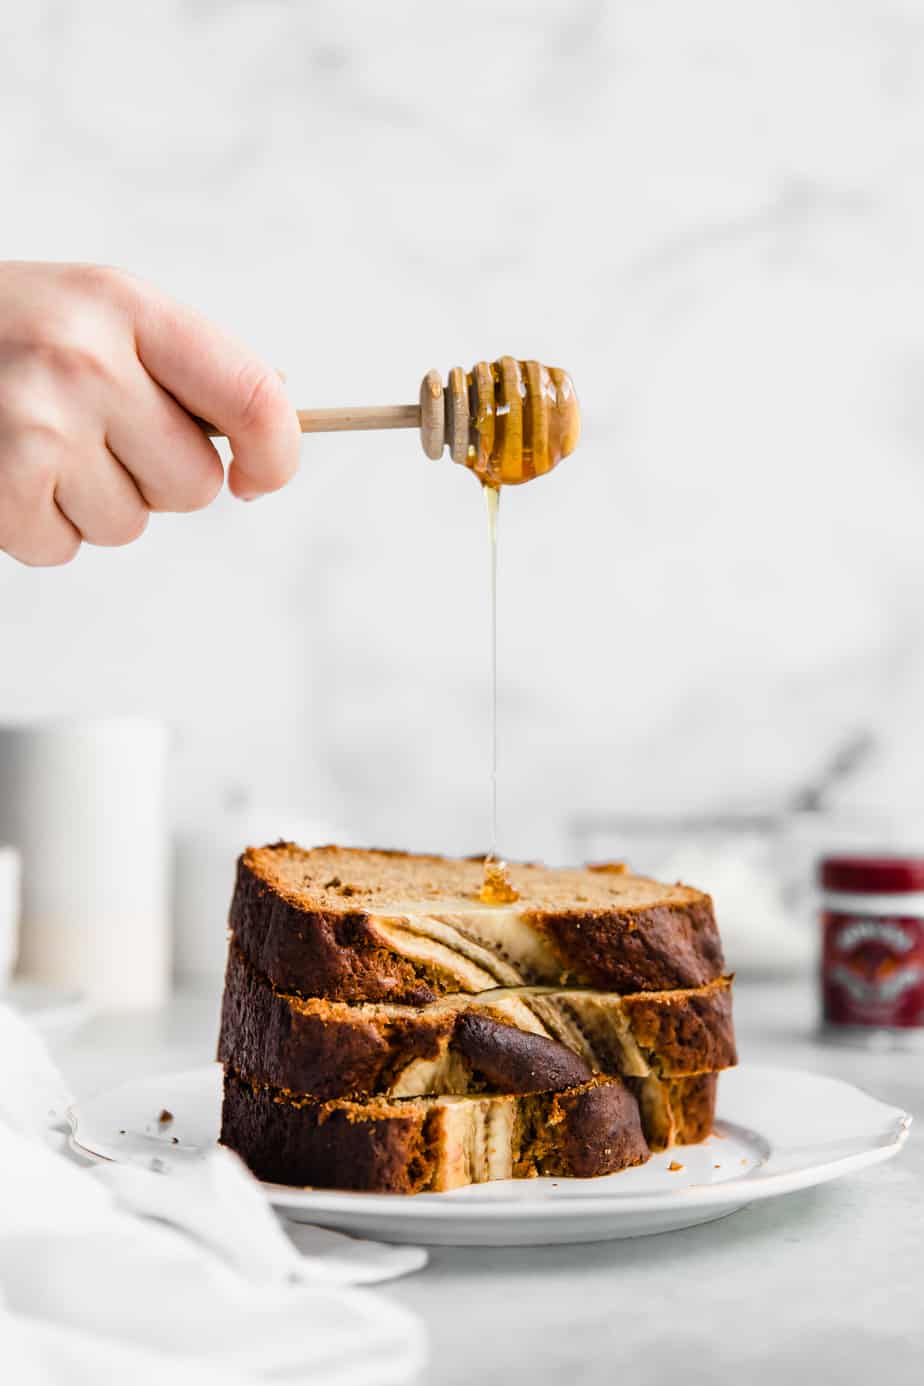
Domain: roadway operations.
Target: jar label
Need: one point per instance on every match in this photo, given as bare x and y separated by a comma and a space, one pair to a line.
872, 969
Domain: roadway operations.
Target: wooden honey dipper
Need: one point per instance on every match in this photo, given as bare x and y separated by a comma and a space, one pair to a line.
508, 421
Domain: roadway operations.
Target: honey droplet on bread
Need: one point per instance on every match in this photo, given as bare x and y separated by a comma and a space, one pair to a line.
497, 887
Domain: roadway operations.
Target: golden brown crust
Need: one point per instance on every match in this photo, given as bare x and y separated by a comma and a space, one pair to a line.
693, 1103
676, 1111
310, 1145
687, 1031
380, 880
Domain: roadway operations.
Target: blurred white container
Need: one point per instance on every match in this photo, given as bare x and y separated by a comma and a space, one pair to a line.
9, 912
741, 860
205, 865
84, 802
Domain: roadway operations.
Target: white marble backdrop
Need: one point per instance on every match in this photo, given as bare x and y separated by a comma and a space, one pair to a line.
711, 214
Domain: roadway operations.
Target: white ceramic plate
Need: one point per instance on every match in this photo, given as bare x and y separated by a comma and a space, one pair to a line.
778, 1130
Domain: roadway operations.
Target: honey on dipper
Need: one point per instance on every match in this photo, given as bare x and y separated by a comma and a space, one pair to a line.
508, 421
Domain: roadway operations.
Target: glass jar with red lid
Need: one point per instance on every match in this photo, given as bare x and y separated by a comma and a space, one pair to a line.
872, 954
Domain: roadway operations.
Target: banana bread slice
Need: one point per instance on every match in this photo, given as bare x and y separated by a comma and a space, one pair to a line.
432, 1143
356, 925
515, 1040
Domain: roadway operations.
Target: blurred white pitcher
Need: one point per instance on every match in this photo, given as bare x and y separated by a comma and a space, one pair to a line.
9, 911
85, 804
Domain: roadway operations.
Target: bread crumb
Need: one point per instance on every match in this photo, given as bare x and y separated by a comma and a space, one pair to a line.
716, 1166
674, 1166
165, 1117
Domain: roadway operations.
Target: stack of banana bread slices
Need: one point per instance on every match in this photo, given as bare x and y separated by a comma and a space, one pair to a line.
383, 1029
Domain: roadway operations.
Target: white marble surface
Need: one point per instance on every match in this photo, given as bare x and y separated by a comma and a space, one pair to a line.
709, 213
823, 1286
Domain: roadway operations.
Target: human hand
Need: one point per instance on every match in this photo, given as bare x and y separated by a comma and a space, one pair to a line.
99, 374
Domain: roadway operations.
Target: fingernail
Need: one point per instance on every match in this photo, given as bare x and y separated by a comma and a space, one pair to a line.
249, 495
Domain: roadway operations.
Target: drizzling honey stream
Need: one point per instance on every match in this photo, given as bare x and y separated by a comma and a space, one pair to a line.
496, 888
522, 418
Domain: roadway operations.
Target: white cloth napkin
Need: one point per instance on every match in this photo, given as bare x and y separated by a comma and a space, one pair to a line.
186, 1277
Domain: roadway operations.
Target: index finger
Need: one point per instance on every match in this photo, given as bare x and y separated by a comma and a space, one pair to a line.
216, 378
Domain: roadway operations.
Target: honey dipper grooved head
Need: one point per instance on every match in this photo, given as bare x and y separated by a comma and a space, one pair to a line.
507, 421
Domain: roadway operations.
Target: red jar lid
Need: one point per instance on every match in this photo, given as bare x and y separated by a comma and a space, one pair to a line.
872, 875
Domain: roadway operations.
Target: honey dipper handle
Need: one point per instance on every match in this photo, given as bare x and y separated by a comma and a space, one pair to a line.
350, 420
353, 420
